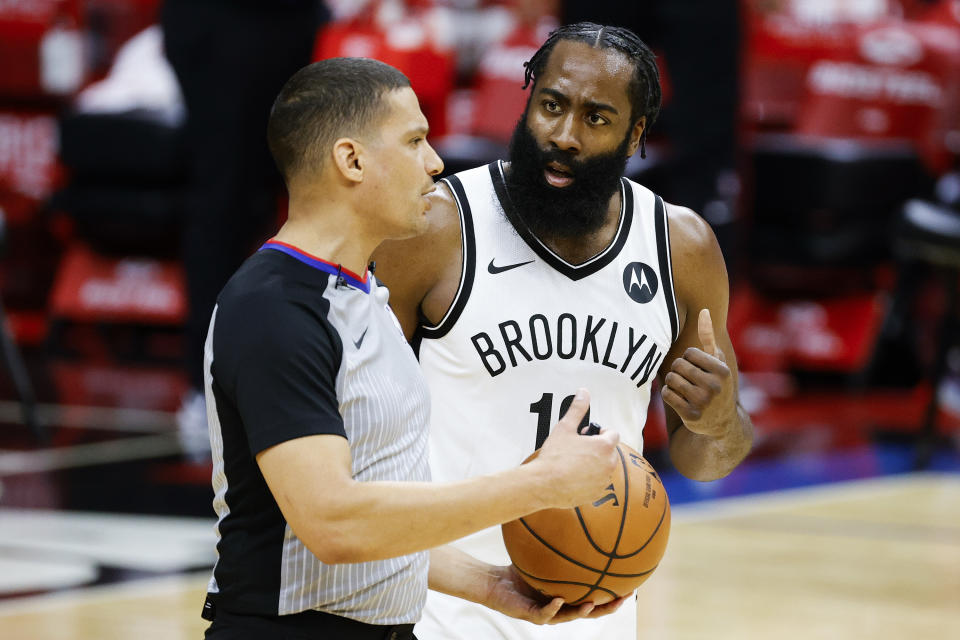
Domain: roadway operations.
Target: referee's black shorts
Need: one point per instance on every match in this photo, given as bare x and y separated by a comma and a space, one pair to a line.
308, 625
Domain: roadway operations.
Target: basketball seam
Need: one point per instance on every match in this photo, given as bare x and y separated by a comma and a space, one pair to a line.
617, 556
572, 582
573, 561
663, 515
583, 525
554, 549
611, 556
623, 518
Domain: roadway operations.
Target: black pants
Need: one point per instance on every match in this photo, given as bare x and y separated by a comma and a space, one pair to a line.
231, 59
309, 625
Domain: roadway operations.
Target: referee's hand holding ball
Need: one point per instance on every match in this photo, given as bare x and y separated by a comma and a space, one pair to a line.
576, 468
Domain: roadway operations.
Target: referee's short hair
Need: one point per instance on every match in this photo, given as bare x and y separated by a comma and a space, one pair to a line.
325, 101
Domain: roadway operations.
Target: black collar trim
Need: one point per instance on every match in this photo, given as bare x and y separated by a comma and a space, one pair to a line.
572, 271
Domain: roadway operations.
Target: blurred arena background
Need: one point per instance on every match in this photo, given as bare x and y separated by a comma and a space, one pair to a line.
820, 139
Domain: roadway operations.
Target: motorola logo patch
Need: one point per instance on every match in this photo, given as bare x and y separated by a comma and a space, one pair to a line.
640, 282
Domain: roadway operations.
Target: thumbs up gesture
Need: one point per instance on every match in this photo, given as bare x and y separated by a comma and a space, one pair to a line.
699, 385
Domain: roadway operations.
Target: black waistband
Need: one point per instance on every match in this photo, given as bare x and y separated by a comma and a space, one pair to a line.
326, 625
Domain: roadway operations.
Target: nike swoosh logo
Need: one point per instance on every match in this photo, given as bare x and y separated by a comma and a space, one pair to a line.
359, 341
492, 268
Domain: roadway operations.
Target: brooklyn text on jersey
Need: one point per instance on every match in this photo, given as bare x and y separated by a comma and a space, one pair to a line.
589, 338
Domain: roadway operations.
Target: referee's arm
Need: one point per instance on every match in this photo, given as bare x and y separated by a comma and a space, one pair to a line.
344, 520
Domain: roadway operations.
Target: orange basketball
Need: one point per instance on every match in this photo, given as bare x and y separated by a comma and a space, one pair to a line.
596, 552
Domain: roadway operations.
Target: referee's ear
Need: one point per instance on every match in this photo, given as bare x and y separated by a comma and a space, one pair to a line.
348, 159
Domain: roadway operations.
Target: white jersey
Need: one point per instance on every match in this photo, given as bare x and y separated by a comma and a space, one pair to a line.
525, 330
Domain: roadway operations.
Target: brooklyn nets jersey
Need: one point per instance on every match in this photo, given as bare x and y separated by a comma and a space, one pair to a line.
525, 330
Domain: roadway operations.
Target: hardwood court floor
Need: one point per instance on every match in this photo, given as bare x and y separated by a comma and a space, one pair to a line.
877, 559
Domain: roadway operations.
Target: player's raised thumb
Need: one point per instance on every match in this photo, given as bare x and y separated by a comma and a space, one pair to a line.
705, 329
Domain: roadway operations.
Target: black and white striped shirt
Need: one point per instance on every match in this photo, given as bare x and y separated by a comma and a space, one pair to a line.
291, 354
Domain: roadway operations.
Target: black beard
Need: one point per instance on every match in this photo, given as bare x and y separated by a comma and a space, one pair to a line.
561, 212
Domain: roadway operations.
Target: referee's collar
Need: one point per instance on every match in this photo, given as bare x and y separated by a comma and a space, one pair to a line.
351, 278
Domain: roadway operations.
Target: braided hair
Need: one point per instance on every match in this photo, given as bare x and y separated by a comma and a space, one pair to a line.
644, 89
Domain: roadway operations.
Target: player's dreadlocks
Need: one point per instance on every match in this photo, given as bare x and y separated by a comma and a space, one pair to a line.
645, 85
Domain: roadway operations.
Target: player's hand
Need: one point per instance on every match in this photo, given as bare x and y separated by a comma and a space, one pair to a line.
511, 596
577, 467
699, 386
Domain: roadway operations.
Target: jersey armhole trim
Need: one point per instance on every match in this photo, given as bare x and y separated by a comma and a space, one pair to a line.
666, 265
467, 268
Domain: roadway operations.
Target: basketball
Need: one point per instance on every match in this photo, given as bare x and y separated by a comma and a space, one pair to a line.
596, 552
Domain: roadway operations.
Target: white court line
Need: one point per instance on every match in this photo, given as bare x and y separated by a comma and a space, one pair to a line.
161, 544
89, 417
85, 455
132, 589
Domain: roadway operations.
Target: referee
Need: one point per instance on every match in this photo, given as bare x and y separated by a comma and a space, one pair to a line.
318, 411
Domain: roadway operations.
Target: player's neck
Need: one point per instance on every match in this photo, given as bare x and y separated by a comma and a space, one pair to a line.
579, 249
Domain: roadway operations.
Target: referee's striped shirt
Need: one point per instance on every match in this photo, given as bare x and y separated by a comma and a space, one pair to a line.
289, 354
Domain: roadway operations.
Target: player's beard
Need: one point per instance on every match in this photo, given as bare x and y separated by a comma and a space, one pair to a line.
561, 212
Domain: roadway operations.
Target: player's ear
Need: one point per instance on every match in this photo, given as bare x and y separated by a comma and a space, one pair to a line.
348, 159
636, 133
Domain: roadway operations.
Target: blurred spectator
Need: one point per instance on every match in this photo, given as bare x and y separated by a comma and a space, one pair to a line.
499, 102
408, 37
231, 57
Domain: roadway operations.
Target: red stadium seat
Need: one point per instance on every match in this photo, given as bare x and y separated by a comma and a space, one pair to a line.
404, 45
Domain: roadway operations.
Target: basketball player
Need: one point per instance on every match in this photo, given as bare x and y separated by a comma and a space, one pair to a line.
552, 271
318, 410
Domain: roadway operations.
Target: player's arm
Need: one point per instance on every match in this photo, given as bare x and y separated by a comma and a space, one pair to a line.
423, 272
341, 519
709, 432
502, 589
